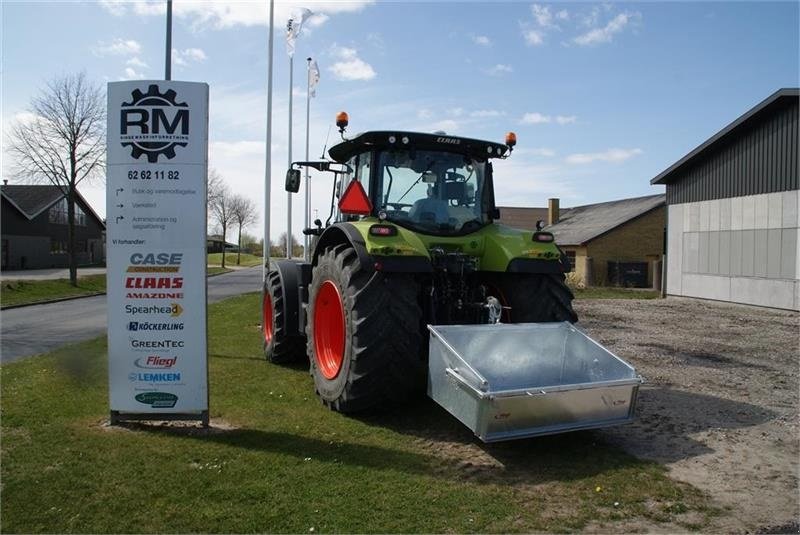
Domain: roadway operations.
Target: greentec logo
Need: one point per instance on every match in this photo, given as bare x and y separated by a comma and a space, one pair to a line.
157, 400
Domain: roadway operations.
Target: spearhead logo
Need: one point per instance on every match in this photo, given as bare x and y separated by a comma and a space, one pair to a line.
157, 400
153, 124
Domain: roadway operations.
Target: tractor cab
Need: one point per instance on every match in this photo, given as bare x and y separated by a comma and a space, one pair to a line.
432, 184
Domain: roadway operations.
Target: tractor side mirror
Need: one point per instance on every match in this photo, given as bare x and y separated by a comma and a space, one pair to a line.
293, 180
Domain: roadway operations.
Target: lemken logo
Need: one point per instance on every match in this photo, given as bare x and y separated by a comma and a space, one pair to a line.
154, 123
157, 400
155, 362
155, 263
155, 377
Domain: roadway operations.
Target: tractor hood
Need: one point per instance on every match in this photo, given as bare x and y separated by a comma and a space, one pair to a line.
475, 148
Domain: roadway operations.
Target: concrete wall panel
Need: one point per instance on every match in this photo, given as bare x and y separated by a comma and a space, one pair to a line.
760, 264
789, 211
707, 286
774, 253
761, 215
674, 247
694, 217
725, 252
713, 215
702, 253
736, 253
705, 213
748, 252
788, 253
749, 208
763, 292
736, 213
774, 210
724, 214
713, 253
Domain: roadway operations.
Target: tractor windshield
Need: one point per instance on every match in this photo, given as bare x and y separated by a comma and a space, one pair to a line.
431, 191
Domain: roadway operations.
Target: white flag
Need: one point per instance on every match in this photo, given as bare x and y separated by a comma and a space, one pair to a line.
313, 78
293, 28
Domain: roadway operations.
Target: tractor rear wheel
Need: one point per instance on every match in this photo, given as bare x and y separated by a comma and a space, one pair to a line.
279, 347
364, 334
534, 298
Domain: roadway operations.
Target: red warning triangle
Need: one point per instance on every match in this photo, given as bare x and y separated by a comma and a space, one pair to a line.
355, 200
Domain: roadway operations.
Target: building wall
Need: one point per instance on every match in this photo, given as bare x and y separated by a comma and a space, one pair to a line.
581, 272
760, 156
638, 240
29, 241
741, 249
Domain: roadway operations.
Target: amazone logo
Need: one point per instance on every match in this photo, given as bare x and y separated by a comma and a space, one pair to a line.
157, 399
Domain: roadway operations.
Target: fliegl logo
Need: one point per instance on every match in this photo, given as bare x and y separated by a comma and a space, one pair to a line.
155, 262
154, 123
155, 362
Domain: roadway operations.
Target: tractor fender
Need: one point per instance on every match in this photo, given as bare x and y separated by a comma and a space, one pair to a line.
291, 276
340, 233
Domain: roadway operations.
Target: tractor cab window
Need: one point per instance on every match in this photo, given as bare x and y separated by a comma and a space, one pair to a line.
360, 164
431, 191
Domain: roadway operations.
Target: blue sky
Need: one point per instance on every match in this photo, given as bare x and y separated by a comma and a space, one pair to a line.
602, 97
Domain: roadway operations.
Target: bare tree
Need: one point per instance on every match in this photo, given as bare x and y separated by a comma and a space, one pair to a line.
279, 248
63, 143
215, 186
221, 212
244, 215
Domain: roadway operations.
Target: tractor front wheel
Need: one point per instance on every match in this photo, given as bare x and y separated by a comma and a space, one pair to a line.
279, 347
364, 334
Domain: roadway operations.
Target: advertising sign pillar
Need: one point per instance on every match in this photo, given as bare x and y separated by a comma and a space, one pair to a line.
156, 189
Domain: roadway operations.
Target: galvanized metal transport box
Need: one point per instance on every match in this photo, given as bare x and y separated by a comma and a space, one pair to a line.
522, 380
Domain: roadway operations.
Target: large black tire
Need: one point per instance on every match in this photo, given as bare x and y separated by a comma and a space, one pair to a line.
279, 347
534, 298
379, 348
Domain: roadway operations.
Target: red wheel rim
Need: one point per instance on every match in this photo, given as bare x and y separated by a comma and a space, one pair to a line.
329, 330
266, 319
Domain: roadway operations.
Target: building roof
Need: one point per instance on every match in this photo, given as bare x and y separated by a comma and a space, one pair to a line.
521, 218
33, 199
582, 224
759, 109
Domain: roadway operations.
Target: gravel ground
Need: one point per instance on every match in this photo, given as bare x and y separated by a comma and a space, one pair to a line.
720, 403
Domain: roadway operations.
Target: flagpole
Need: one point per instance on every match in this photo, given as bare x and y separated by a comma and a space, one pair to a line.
168, 60
268, 157
308, 121
289, 195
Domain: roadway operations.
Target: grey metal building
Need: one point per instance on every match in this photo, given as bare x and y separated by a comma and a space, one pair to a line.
732, 210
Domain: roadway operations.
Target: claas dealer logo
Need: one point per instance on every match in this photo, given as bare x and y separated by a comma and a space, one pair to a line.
154, 123
147, 267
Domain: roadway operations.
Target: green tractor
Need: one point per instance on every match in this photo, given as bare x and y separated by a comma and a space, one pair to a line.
411, 240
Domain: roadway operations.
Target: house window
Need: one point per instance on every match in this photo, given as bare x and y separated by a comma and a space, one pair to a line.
58, 247
58, 214
571, 258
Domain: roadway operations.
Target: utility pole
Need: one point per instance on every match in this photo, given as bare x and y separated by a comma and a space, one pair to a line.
268, 158
168, 59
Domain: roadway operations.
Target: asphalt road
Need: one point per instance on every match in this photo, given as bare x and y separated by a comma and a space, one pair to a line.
37, 329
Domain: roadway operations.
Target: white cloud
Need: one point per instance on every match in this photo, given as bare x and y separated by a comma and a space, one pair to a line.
499, 69
481, 40
118, 47
543, 16
562, 15
220, 14
424, 113
611, 155
188, 55
136, 62
533, 37
456, 112
535, 118
565, 119
486, 113
350, 67
448, 125
131, 74
606, 34
543, 151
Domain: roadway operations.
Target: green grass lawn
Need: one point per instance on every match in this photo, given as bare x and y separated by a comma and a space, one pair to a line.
247, 260
280, 462
17, 292
216, 270
602, 292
